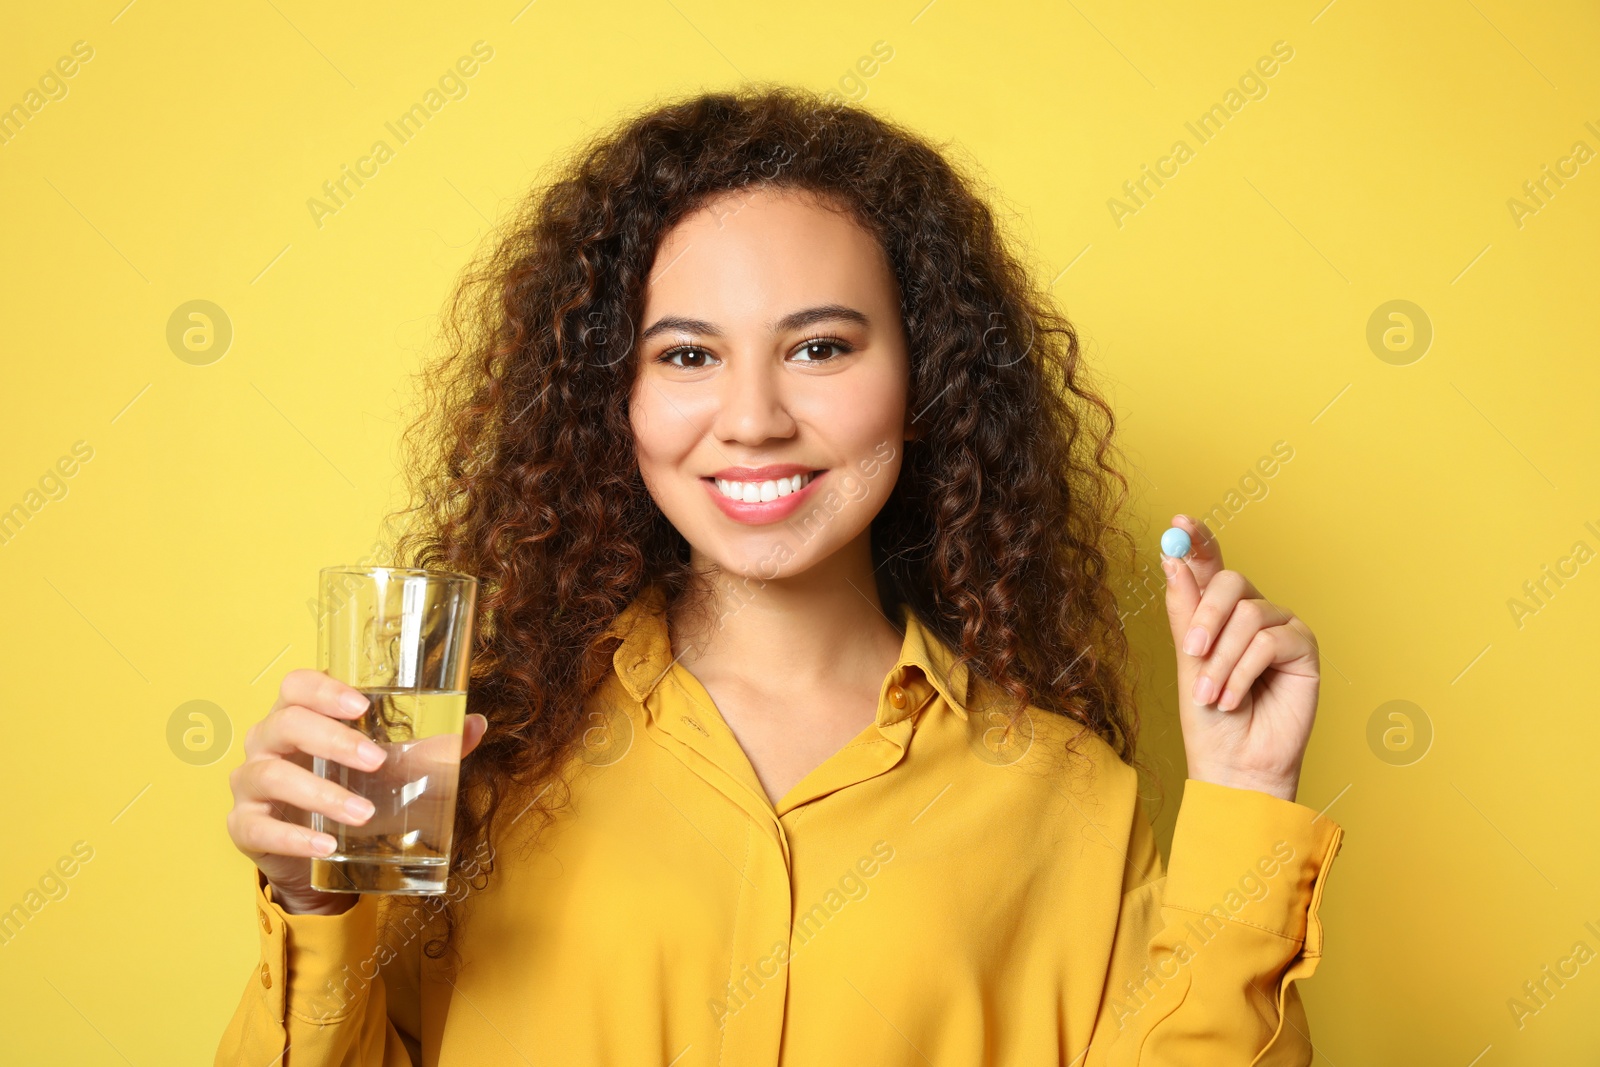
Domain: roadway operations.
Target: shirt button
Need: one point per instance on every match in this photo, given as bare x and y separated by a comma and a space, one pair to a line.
266, 923
266, 976
897, 697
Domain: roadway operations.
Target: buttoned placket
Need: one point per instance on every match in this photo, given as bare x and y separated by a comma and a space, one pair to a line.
703, 741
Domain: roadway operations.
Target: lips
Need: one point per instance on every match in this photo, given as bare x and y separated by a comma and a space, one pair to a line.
759, 495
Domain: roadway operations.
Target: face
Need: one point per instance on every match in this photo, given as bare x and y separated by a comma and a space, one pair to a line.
769, 406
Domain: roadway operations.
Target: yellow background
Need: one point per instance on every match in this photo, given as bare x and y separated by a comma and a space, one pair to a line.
1228, 313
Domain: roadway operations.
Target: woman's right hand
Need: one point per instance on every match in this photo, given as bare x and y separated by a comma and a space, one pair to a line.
276, 777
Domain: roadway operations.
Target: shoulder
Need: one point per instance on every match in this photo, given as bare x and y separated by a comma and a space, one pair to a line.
1053, 756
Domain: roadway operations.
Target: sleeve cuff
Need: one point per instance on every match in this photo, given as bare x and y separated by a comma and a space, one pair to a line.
315, 967
1246, 856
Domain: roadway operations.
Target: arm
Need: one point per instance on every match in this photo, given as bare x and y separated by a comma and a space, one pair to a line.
309, 1000
1204, 960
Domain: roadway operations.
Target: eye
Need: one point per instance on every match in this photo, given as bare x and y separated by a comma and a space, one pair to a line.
822, 349
693, 358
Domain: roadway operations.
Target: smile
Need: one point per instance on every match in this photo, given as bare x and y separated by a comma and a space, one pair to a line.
761, 492
755, 503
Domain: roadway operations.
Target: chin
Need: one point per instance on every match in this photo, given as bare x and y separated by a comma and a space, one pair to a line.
768, 557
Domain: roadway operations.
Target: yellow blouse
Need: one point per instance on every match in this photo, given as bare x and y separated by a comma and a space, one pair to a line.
940, 891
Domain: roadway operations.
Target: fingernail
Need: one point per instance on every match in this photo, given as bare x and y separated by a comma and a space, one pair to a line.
1195, 643
353, 702
370, 753
1203, 688
322, 844
359, 808
1170, 566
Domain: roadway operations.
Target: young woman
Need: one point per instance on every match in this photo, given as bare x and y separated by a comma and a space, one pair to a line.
801, 729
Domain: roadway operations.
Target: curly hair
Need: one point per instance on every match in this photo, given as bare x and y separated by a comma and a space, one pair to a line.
999, 532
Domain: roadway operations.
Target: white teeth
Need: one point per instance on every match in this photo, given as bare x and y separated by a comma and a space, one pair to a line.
760, 492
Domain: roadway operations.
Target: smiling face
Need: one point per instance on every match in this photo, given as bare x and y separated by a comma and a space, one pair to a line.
769, 407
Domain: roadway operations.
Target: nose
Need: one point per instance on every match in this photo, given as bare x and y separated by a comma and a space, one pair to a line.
751, 403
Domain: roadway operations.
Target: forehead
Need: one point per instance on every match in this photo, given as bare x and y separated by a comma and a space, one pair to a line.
752, 251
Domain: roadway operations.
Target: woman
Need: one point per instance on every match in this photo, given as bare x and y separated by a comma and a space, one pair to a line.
801, 729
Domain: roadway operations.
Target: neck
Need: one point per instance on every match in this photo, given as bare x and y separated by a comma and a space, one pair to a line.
814, 630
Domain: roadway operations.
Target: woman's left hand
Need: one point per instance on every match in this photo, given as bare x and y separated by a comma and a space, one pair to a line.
1247, 686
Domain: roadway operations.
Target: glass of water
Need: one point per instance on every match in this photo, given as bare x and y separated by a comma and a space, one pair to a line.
403, 637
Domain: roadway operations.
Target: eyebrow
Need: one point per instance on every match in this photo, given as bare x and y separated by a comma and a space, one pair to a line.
795, 320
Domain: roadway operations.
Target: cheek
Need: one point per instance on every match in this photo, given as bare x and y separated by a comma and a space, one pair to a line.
858, 411
653, 432
663, 442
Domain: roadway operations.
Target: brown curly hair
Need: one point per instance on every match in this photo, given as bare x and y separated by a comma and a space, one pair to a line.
999, 532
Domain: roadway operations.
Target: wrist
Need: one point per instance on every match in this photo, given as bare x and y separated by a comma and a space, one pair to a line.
321, 904
1284, 787
333, 908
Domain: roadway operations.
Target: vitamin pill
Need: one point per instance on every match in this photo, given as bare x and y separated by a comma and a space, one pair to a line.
1175, 542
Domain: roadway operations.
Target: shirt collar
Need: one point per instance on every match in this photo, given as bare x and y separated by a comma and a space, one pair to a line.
644, 657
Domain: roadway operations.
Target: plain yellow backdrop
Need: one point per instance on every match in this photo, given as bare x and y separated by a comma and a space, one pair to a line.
1226, 310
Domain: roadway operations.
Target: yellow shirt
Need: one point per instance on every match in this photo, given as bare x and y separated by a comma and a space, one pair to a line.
939, 891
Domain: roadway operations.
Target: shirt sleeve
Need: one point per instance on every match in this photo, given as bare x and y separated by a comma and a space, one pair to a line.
320, 994
1204, 958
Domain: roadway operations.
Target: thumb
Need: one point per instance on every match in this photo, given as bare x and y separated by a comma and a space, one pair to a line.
472, 732
1183, 596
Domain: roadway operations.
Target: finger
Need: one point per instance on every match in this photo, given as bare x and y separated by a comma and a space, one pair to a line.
472, 732
296, 729
1275, 644
264, 782
257, 834
1211, 614
320, 692
1248, 618
1205, 554
441, 749
1183, 594
1212, 607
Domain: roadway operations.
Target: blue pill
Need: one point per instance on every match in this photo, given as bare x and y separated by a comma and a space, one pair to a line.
1175, 542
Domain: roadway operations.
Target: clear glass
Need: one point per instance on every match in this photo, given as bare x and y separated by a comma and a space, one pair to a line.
403, 637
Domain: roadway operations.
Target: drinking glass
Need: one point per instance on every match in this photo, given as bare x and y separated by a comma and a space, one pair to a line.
403, 637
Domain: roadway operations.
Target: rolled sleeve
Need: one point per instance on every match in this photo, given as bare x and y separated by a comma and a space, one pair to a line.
1206, 955
314, 972
317, 964
1266, 869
